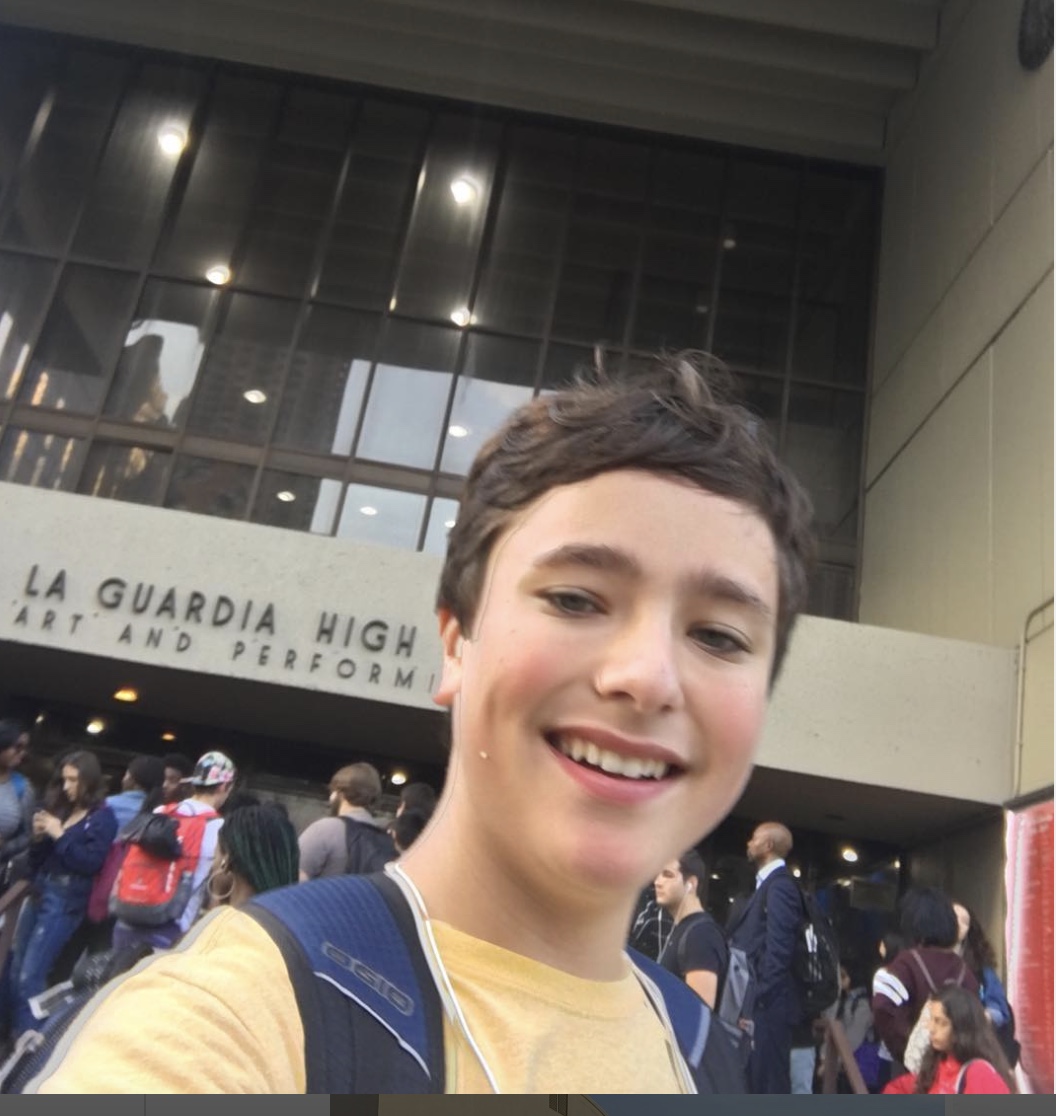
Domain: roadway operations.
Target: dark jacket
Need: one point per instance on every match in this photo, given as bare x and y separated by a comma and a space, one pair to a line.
765, 928
77, 855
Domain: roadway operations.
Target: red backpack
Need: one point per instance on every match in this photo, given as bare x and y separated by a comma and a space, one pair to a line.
155, 883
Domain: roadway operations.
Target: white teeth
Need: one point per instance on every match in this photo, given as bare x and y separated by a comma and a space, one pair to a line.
586, 751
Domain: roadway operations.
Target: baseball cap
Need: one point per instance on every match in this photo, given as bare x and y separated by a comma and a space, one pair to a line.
212, 770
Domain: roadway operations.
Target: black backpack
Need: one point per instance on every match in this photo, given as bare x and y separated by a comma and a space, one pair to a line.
369, 848
816, 960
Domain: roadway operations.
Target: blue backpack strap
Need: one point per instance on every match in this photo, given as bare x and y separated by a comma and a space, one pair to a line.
708, 1051
371, 1013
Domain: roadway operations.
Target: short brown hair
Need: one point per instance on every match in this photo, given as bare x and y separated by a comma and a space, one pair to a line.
358, 783
676, 416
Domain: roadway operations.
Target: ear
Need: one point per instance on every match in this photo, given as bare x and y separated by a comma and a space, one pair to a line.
451, 674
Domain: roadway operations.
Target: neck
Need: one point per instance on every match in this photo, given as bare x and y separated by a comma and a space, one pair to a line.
347, 808
690, 904
470, 885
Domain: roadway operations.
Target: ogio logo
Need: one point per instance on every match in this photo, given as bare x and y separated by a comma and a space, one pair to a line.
375, 981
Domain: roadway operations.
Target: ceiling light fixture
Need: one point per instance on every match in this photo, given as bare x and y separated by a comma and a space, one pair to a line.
95, 726
464, 190
797, 873
462, 317
126, 693
168, 737
172, 139
449, 523
368, 510
254, 395
729, 243
457, 431
286, 496
398, 778
849, 855
218, 275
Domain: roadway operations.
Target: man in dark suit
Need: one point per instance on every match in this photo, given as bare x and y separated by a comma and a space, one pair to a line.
765, 928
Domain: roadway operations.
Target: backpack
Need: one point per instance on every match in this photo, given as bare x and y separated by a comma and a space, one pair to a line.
737, 1000
156, 879
369, 849
816, 959
920, 1036
372, 1017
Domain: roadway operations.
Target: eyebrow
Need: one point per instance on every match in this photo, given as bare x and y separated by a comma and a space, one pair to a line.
608, 559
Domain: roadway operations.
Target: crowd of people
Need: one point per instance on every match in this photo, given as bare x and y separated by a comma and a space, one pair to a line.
83, 851
617, 599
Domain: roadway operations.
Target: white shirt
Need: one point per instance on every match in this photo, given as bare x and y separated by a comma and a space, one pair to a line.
767, 870
188, 808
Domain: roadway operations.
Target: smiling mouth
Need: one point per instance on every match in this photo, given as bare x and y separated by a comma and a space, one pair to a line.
587, 754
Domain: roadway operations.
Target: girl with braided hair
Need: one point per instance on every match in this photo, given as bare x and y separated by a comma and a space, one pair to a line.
256, 851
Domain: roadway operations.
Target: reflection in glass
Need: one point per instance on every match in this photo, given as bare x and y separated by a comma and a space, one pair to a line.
441, 250
59, 172
216, 202
614, 168
297, 502
129, 473
360, 263
238, 387
823, 446
40, 460
408, 395
517, 285
24, 284
594, 294
210, 487
561, 364
328, 375
123, 215
296, 192
81, 340
25, 70
381, 515
162, 351
497, 376
751, 331
832, 327
442, 517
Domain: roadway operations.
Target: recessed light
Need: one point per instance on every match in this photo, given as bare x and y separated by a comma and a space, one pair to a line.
368, 510
254, 395
797, 873
729, 243
849, 855
172, 139
40, 720
218, 275
392, 304
715, 876
95, 726
462, 317
126, 693
398, 778
457, 431
897, 863
449, 523
464, 190
286, 496
168, 737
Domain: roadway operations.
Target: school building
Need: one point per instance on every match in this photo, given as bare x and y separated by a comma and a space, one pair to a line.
271, 271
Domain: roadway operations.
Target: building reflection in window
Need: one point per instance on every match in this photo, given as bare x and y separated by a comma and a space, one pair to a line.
130, 473
23, 298
297, 502
40, 460
381, 515
210, 487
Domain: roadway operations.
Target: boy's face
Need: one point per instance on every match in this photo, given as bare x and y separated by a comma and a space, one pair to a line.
615, 681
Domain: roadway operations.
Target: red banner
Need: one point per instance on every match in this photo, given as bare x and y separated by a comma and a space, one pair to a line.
1028, 939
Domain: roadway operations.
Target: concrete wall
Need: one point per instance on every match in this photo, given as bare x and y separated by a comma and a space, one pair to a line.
958, 523
851, 696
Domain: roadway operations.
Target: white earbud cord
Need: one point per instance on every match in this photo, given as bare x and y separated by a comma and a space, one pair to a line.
436, 965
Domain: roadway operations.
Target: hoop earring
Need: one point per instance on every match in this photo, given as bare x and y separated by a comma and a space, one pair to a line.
214, 892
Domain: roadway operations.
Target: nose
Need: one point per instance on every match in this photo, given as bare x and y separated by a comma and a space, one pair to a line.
640, 664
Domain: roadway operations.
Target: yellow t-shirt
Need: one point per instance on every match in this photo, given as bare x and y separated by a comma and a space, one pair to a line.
544, 1031
218, 1015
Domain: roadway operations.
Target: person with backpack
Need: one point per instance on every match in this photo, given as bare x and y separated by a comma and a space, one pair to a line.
17, 802
349, 841
963, 1054
765, 928
161, 884
974, 946
696, 951
71, 836
903, 988
617, 597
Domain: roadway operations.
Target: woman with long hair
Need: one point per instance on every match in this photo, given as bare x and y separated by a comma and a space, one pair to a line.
71, 836
980, 958
964, 1055
256, 850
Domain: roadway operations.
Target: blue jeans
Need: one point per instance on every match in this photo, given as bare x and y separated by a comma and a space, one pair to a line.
45, 925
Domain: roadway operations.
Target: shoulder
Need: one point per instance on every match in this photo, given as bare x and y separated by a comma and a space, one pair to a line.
981, 1077
324, 829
